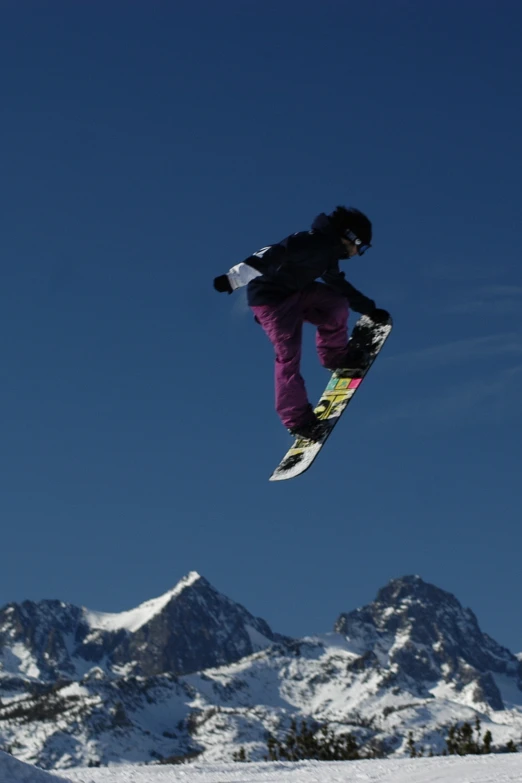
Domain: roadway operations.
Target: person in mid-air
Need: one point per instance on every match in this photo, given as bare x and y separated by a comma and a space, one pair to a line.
283, 293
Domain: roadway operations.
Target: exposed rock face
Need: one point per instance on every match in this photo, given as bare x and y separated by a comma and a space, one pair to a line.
193, 627
198, 629
425, 634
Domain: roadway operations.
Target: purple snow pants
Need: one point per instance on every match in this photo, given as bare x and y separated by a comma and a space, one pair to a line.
283, 323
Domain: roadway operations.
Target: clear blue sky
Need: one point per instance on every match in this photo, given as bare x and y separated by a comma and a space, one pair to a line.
146, 148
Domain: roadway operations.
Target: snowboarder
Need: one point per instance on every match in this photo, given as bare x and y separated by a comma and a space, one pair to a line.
283, 293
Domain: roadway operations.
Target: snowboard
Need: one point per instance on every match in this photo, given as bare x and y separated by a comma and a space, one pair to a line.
334, 400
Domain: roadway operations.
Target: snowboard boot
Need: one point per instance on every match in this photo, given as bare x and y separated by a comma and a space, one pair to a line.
310, 430
355, 361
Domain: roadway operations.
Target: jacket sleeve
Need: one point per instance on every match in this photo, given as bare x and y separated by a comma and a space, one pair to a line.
259, 263
358, 302
267, 258
241, 275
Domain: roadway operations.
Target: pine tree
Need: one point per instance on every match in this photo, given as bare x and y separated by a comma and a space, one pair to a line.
411, 745
311, 742
240, 755
461, 741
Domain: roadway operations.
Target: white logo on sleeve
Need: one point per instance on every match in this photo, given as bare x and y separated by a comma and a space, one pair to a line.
261, 253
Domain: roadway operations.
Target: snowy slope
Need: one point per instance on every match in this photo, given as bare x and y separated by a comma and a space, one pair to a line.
134, 619
325, 679
476, 769
14, 771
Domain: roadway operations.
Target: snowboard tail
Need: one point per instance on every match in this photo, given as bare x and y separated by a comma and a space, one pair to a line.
334, 400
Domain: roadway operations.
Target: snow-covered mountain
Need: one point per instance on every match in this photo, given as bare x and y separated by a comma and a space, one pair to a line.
424, 636
189, 628
194, 674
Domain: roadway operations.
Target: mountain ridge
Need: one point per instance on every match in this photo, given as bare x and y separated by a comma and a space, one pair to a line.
194, 674
52, 639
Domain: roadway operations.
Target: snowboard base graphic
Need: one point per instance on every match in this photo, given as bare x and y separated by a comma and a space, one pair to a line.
334, 400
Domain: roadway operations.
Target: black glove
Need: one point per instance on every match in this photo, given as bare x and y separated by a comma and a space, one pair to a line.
222, 284
360, 303
379, 316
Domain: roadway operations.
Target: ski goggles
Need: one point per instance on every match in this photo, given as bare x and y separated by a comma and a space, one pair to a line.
359, 244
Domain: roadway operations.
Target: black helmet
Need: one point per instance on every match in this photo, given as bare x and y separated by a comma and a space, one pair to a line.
350, 219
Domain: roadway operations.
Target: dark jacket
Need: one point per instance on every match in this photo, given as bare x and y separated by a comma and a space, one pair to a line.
298, 260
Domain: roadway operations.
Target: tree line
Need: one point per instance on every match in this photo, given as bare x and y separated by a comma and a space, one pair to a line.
308, 740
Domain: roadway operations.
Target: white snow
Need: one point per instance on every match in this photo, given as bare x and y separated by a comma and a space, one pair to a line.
506, 768
74, 689
135, 618
14, 771
17, 659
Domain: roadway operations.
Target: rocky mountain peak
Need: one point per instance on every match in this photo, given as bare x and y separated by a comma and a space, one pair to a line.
409, 604
189, 628
406, 590
197, 628
424, 633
